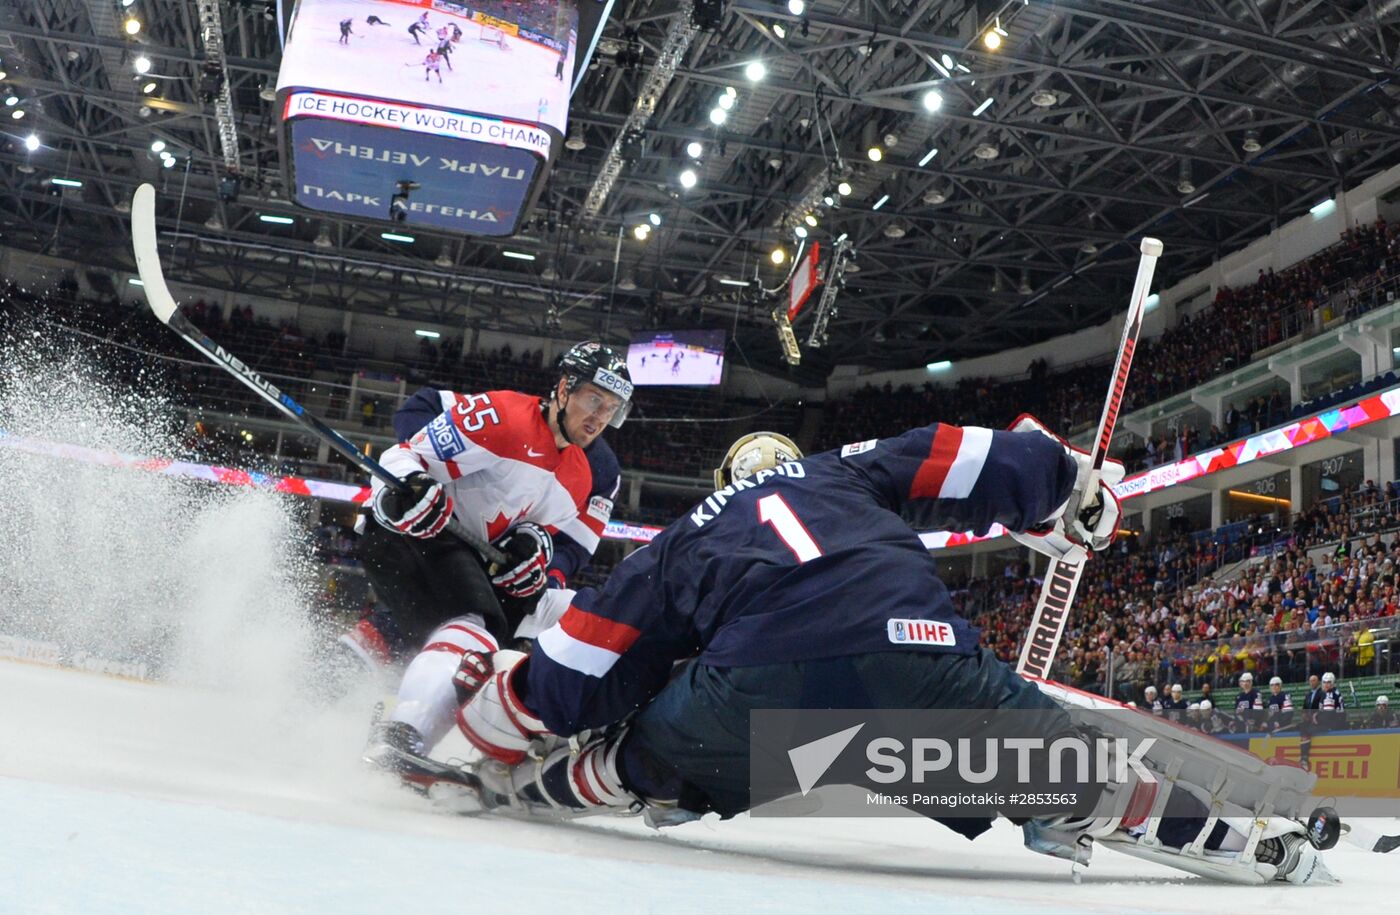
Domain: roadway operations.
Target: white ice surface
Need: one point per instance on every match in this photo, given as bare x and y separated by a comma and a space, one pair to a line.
118, 796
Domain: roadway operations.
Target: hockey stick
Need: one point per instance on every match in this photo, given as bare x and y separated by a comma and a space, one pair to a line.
143, 243
1062, 578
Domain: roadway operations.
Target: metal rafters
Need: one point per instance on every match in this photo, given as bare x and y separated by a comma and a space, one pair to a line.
1134, 89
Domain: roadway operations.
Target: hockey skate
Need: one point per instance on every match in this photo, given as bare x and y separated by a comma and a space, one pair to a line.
1214, 811
397, 747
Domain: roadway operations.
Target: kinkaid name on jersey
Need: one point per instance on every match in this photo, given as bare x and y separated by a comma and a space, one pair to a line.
714, 504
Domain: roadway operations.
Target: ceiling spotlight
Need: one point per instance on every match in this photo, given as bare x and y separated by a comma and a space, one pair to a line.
654, 219
755, 71
641, 231
3, 74
323, 238
810, 219
981, 109
891, 140
947, 62
695, 149
894, 230
778, 255
726, 101
934, 196
797, 7
829, 200
168, 162
718, 116
800, 231
158, 146
1044, 98
1251, 141
1089, 248
576, 141
689, 178
1184, 184
844, 188
443, 260
11, 101
142, 64
731, 91
986, 151
933, 100
215, 224
875, 154
884, 199
17, 114
628, 282
132, 26
991, 39
148, 88
31, 142
779, 30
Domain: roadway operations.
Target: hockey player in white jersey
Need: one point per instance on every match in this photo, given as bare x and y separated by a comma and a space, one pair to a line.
517, 471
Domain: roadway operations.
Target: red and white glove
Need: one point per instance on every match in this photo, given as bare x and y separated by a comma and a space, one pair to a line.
1088, 520
423, 510
492, 716
529, 549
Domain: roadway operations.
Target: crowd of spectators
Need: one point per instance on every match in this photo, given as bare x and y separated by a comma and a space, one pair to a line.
1165, 614
1344, 280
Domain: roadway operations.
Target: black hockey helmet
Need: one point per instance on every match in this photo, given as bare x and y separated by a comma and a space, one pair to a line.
599, 364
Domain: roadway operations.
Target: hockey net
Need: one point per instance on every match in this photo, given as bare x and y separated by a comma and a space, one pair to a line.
495, 36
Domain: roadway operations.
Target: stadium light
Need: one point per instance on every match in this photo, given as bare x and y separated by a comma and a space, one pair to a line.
844, 188
66, 182
718, 116
695, 149
158, 146
689, 178
1323, 208
394, 236
755, 71
142, 64
430, 334
941, 366
31, 142
933, 100
133, 26
928, 157
654, 219
982, 108
518, 255
265, 217
884, 199
778, 256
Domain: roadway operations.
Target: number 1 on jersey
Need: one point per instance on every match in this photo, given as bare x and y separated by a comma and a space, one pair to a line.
774, 511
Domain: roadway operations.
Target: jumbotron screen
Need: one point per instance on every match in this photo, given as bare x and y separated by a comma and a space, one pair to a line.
676, 357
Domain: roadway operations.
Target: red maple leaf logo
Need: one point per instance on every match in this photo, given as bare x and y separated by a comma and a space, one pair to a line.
500, 524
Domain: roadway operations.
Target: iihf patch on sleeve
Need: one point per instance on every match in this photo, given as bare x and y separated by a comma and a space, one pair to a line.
447, 441
920, 632
600, 509
858, 447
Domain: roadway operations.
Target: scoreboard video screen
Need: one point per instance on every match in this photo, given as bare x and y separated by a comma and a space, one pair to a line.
430, 112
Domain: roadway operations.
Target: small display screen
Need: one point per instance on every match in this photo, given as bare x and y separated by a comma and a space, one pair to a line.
676, 357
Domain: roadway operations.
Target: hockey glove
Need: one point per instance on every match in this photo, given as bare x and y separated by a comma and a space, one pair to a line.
1088, 520
492, 716
529, 549
422, 511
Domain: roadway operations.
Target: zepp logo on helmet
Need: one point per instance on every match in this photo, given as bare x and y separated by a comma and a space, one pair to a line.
610, 381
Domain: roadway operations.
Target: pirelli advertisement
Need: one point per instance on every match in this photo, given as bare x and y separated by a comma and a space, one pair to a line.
1358, 764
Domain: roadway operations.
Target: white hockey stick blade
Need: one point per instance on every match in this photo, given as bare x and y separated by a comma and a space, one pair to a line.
143, 243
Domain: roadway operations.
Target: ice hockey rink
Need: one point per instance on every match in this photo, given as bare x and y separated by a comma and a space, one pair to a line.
129, 796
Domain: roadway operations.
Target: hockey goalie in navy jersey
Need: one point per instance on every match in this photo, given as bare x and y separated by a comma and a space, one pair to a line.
802, 585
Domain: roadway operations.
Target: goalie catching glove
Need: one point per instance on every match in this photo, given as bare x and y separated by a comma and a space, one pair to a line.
492, 716
421, 510
528, 549
1088, 520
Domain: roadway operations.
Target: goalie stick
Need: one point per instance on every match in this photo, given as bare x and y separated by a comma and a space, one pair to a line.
143, 243
1062, 578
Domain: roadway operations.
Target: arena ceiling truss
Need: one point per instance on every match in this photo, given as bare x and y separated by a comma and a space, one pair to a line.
1203, 122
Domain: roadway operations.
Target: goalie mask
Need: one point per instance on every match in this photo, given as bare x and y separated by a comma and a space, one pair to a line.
754, 452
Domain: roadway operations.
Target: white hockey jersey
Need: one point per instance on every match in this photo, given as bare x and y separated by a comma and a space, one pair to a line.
497, 458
